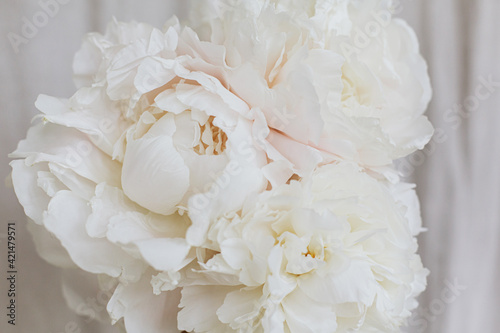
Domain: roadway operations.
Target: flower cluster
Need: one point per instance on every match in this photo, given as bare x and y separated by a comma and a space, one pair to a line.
236, 175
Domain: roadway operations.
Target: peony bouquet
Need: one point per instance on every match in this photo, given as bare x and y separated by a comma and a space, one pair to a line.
236, 174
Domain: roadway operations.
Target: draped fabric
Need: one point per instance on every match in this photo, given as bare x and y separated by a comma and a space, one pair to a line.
458, 177
458, 174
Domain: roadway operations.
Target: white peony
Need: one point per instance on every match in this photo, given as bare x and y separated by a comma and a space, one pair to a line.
110, 172
348, 67
334, 252
238, 170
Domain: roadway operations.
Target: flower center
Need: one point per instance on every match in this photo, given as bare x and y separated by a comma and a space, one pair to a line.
212, 139
316, 250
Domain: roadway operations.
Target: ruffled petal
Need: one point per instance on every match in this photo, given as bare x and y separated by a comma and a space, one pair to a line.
142, 311
65, 218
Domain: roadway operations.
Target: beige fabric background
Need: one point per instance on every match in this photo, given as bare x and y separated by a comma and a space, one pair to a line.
458, 175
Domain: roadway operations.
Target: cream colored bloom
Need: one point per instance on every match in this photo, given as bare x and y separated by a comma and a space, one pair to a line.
239, 170
334, 252
336, 79
111, 171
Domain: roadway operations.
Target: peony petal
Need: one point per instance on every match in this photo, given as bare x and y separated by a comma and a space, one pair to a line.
68, 148
278, 172
82, 187
240, 307
33, 199
153, 73
303, 315
107, 202
223, 196
211, 103
235, 252
165, 254
65, 218
49, 247
88, 111
167, 100
216, 94
303, 157
154, 175
354, 284
199, 306
143, 311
